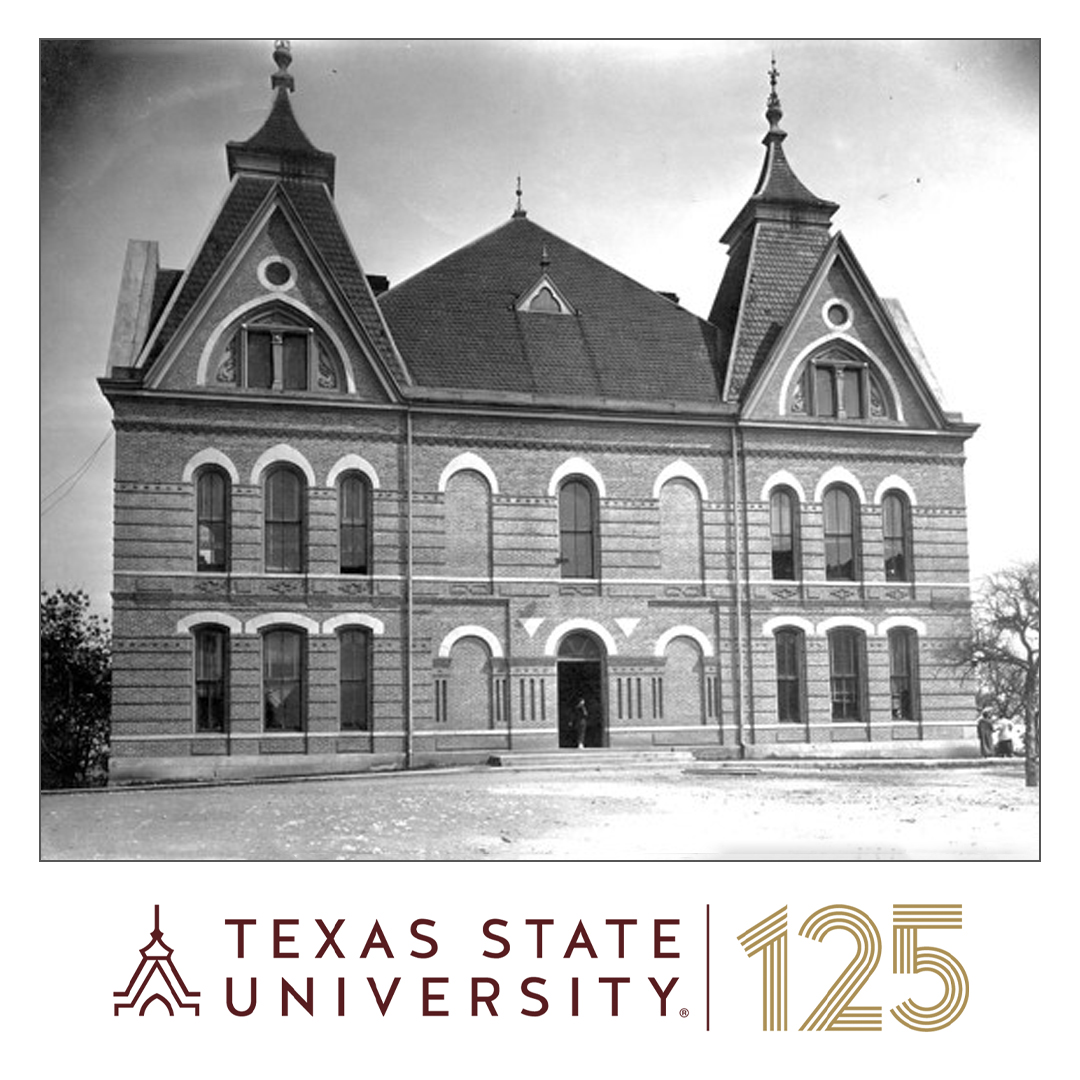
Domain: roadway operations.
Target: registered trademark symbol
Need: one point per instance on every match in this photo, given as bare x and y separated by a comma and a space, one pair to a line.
684, 1013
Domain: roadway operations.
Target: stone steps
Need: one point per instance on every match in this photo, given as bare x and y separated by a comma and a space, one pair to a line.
588, 759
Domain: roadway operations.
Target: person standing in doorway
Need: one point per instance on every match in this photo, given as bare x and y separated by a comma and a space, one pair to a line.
581, 721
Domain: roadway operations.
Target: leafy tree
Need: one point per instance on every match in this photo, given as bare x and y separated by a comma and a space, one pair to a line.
1004, 653
76, 683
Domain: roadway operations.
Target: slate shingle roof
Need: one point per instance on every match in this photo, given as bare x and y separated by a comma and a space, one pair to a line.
457, 327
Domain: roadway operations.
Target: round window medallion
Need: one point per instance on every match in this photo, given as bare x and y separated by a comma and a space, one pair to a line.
837, 314
277, 272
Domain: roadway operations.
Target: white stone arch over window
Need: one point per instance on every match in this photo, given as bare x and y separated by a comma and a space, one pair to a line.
353, 463
839, 475
278, 455
209, 618
369, 622
853, 622
281, 618
472, 461
591, 626
896, 621
691, 632
894, 483
209, 456
577, 466
878, 368
236, 315
481, 632
778, 622
681, 470
783, 478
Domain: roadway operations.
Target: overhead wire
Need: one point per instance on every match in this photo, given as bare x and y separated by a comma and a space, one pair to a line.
72, 481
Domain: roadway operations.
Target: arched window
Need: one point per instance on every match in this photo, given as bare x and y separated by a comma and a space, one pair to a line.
904, 673
841, 534
577, 530
284, 498
354, 648
277, 348
896, 530
284, 704
354, 523
211, 678
784, 533
212, 519
847, 673
790, 675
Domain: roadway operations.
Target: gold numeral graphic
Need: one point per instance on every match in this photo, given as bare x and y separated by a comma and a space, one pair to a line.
909, 957
834, 1012
769, 937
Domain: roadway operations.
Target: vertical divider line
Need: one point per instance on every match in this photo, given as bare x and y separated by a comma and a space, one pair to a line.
707, 984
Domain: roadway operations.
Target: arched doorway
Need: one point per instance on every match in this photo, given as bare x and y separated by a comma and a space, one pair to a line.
581, 679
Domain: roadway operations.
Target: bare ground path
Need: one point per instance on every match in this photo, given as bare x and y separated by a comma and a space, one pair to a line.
658, 812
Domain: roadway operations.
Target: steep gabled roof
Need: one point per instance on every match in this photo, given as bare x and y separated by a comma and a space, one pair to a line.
278, 163
776, 243
458, 327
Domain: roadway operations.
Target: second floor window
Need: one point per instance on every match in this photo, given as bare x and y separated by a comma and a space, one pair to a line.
895, 527
577, 530
212, 520
783, 524
841, 535
354, 514
284, 499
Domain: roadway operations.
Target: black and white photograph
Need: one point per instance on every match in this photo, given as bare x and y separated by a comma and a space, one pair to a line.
529, 450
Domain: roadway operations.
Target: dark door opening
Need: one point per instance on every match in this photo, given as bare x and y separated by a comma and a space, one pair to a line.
582, 718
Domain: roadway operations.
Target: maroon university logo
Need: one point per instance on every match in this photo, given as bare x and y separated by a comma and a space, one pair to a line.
156, 980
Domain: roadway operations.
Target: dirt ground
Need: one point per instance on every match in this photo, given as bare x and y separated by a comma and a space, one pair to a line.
733, 812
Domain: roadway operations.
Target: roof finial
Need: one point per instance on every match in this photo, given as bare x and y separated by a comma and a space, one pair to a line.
283, 58
773, 112
518, 210
545, 258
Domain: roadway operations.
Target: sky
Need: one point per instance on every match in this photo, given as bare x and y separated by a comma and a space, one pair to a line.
640, 152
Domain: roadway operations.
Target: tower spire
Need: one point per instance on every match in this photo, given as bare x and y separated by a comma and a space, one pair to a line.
283, 58
773, 112
519, 210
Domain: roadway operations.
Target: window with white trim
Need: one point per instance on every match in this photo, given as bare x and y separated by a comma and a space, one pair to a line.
212, 490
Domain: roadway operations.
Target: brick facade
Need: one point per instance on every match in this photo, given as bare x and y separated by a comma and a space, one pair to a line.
473, 637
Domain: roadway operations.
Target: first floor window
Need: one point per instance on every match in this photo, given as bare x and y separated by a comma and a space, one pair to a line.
211, 678
355, 668
790, 653
903, 673
283, 680
847, 668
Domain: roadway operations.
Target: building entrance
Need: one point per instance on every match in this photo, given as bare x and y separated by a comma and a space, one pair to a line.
582, 706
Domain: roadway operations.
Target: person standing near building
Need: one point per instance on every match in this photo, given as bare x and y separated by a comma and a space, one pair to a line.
1005, 737
985, 728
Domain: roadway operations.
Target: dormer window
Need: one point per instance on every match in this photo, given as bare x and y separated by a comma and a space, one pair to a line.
274, 351
545, 298
839, 387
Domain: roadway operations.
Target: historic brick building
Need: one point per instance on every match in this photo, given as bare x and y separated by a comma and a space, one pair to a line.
520, 501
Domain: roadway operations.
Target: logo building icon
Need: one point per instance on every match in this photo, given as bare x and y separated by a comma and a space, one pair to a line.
156, 980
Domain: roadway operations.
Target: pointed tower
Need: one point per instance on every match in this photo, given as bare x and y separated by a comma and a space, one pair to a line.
156, 979
280, 148
774, 245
